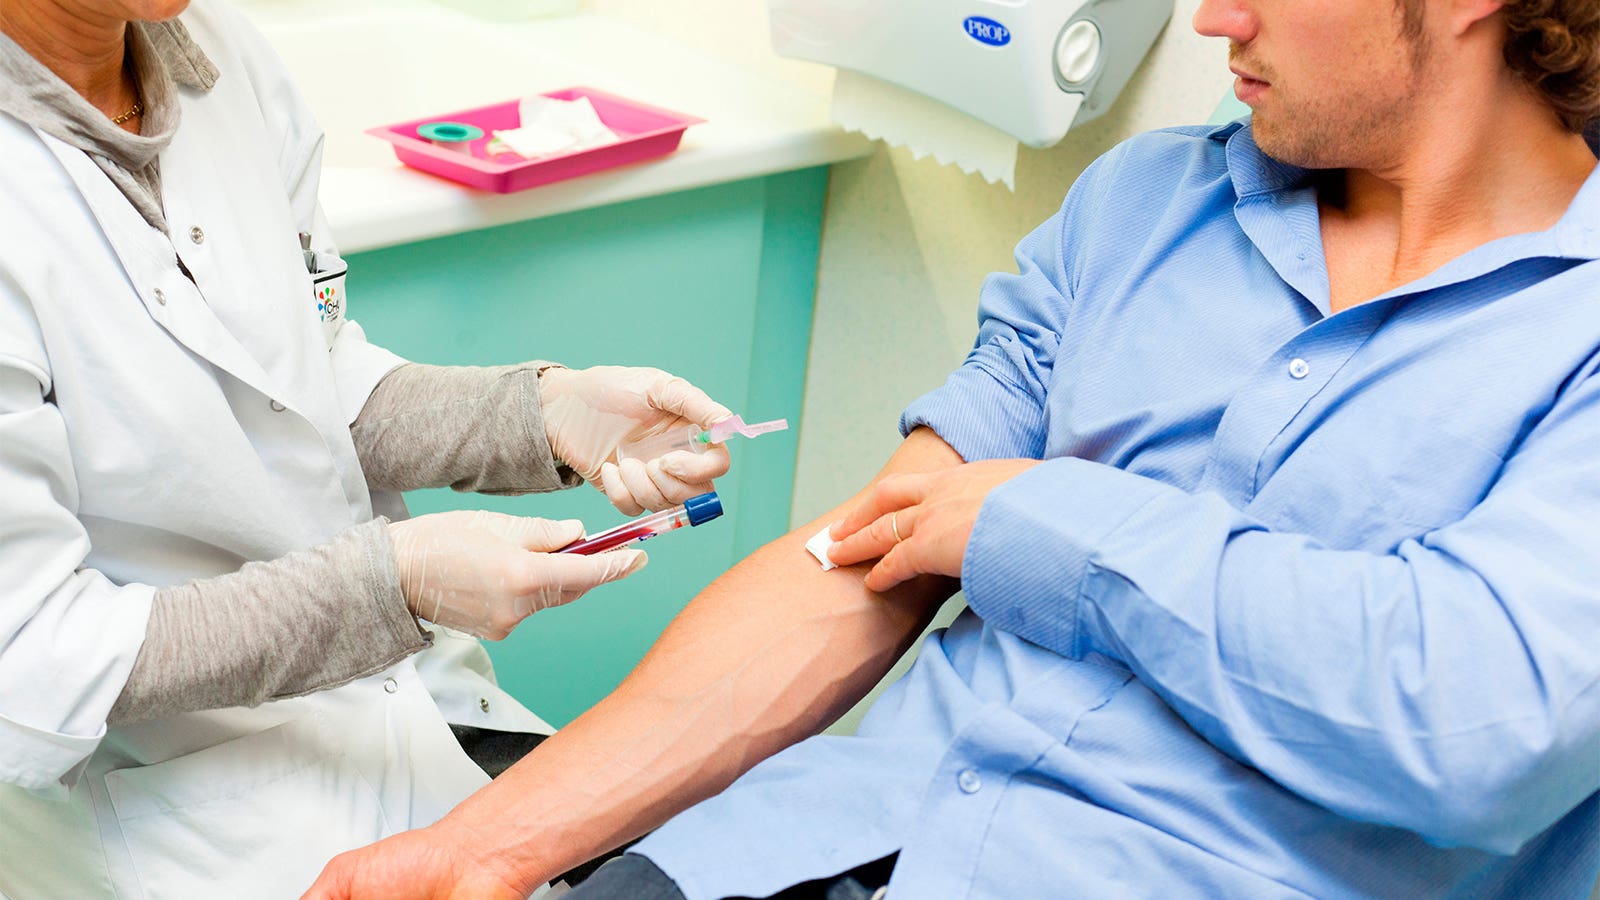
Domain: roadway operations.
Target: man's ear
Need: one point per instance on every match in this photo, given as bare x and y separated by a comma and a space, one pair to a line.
1464, 14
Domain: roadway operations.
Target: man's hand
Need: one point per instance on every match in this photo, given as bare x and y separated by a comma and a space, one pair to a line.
919, 524
413, 865
589, 413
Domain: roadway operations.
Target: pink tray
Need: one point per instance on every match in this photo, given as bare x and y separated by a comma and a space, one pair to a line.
645, 131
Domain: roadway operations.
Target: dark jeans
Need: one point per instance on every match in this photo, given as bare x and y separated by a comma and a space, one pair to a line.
495, 751
634, 877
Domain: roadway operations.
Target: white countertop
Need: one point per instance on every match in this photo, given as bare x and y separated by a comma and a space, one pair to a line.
376, 63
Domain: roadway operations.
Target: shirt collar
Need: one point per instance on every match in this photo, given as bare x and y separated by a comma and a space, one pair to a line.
1578, 231
183, 59
1253, 171
1576, 235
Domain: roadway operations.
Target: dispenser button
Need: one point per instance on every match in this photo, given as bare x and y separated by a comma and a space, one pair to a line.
1077, 51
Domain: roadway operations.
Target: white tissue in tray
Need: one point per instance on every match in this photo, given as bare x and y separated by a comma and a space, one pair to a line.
550, 126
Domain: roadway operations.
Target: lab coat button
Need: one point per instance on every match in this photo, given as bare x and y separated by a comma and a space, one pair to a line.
196, 235
276, 406
483, 703
1299, 368
161, 296
969, 782
390, 685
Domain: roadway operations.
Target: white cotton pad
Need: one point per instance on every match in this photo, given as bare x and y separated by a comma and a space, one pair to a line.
819, 545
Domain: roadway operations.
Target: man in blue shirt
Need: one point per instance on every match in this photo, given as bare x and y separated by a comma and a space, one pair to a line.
1273, 484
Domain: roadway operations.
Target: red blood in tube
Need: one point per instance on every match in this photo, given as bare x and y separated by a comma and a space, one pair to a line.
614, 538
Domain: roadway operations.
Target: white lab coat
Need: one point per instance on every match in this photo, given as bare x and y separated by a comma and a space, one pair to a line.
153, 430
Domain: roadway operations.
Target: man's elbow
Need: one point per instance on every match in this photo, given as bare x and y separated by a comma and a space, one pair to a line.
1497, 803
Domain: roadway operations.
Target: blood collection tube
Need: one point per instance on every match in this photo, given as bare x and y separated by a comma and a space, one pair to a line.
694, 511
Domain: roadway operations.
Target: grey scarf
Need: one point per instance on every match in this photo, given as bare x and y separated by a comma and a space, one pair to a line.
163, 56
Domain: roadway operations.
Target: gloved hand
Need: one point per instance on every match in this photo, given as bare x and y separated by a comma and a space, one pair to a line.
484, 572
588, 413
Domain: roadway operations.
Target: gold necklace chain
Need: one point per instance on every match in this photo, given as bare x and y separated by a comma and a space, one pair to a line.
137, 109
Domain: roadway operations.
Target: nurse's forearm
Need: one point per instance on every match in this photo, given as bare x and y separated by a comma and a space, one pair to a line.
306, 622
468, 428
770, 653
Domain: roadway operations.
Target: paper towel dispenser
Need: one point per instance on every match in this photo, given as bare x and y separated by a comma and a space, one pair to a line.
1032, 68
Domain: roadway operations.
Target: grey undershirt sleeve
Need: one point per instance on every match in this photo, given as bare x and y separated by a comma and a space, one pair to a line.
308, 621
474, 429
323, 617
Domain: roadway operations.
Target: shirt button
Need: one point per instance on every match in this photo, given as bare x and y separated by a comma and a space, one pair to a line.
161, 296
968, 781
196, 235
276, 406
1299, 368
483, 703
390, 685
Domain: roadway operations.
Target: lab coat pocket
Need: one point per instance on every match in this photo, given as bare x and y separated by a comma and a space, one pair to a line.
257, 816
328, 290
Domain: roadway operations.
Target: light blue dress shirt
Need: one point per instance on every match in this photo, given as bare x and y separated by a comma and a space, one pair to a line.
1299, 604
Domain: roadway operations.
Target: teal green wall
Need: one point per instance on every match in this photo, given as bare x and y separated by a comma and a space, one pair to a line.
1229, 109
715, 285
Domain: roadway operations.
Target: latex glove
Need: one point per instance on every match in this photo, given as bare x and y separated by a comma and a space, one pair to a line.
484, 572
588, 413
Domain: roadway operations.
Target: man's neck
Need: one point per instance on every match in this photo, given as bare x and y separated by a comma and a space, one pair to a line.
1457, 183
82, 48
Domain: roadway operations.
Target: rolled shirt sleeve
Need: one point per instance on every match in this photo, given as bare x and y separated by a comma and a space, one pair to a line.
993, 406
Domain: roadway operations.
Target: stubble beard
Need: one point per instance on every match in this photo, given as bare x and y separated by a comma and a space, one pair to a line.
1353, 129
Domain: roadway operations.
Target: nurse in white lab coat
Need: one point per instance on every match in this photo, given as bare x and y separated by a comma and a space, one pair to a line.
173, 408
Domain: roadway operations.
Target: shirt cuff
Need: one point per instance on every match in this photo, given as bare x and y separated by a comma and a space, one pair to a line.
553, 474
1034, 541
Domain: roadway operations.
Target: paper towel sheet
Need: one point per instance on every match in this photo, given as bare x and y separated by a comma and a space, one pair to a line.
924, 126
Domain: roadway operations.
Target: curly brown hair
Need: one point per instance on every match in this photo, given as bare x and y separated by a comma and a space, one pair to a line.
1554, 45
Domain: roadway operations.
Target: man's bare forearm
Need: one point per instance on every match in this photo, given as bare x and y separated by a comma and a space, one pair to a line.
768, 654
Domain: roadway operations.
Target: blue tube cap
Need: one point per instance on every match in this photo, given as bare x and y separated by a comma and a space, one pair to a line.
703, 508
